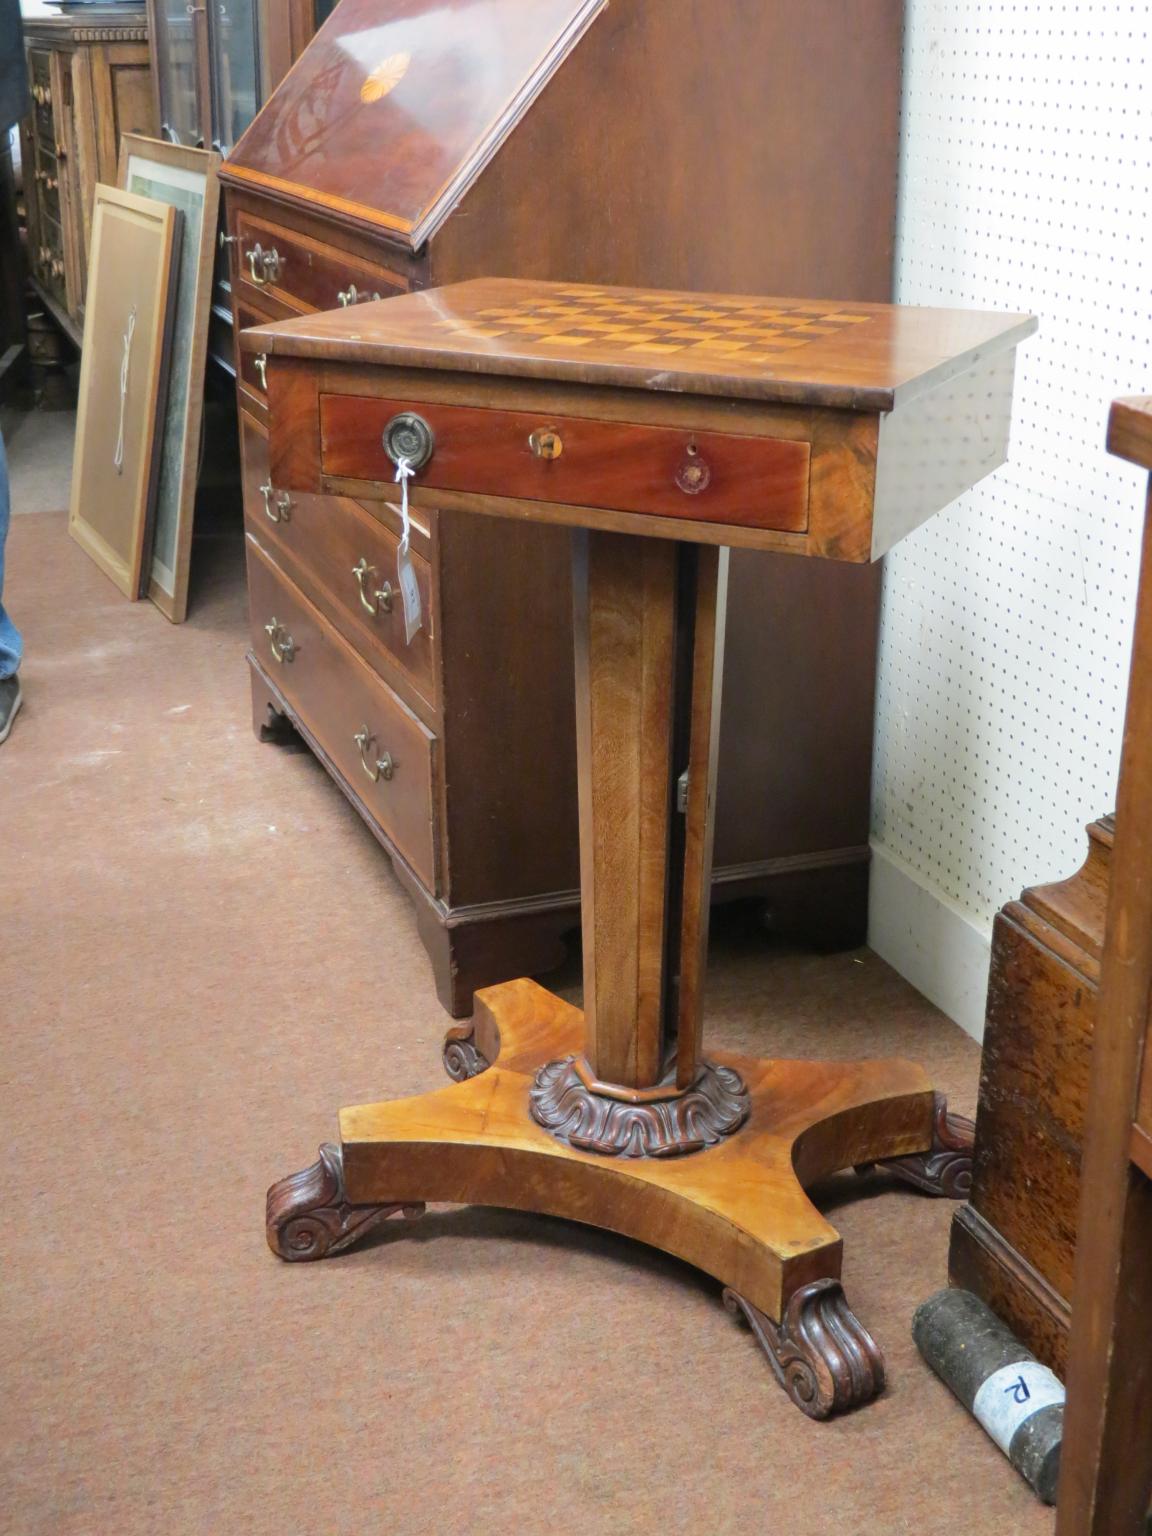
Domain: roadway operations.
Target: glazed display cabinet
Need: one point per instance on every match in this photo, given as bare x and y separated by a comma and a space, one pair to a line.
90, 83
215, 63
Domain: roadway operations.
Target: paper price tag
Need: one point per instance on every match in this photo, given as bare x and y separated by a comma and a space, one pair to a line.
405, 574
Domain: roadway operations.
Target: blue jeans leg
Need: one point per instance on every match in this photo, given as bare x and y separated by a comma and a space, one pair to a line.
11, 645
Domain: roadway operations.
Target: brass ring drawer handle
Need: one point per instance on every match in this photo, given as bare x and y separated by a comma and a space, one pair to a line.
384, 767
279, 508
282, 643
260, 363
376, 602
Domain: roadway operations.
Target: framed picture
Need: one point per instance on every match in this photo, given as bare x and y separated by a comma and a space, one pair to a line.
186, 180
135, 241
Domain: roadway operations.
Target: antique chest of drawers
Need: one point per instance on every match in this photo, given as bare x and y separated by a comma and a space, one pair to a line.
403, 153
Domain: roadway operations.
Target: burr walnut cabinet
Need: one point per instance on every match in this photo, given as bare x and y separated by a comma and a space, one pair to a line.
704, 145
90, 83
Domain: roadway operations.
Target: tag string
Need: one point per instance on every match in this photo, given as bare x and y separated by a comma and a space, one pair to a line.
404, 473
405, 574
118, 456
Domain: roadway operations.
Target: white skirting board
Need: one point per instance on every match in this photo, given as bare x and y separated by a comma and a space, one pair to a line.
931, 942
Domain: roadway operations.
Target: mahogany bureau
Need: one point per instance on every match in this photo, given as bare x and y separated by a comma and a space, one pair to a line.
663, 428
414, 145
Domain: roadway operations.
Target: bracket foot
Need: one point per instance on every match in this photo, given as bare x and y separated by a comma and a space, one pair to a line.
462, 1056
945, 1169
309, 1218
822, 1355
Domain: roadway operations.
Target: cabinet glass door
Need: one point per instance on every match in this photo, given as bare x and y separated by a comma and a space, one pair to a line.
177, 26
235, 69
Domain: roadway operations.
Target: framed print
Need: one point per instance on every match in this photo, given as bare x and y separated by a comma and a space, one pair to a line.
126, 330
186, 180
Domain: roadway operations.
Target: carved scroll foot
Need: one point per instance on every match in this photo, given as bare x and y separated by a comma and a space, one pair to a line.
309, 1218
822, 1355
946, 1168
462, 1056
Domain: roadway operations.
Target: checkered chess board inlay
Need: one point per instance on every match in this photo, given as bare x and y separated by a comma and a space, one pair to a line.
659, 325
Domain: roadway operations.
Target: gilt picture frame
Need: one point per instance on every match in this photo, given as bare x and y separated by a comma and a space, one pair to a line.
185, 178
127, 327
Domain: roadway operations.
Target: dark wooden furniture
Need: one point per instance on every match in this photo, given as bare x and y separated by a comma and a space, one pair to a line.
1014, 1244
663, 427
1106, 1480
90, 83
13, 276
406, 151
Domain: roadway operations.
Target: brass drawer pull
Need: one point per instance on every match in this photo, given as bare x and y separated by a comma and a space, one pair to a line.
384, 767
546, 444
376, 602
352, 295
226, 239
277, 509
694, 474
267, 261
260, 363
282, 643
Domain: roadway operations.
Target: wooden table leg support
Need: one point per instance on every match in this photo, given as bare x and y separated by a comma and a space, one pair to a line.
613, 1115
737, 1209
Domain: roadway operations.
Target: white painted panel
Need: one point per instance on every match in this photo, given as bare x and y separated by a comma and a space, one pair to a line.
1026, 185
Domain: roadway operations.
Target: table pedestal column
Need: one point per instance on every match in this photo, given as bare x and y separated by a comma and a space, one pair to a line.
613, 1115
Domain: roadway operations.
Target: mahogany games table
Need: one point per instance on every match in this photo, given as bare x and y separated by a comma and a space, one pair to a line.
663, 428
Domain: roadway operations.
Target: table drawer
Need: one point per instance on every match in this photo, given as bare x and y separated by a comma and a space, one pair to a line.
625, 466
357, 719
303, 272
343, 559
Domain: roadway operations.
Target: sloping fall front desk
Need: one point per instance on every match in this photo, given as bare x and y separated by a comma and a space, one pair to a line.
663, 428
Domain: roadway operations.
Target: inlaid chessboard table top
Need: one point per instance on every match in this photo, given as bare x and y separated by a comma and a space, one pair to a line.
814, 352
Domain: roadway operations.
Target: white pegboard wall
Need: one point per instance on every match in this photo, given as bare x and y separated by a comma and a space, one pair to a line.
1026, 186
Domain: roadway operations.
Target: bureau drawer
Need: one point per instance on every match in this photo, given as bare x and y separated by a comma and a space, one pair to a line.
250, 365
303, 272
577, 461
374, 741
345, 561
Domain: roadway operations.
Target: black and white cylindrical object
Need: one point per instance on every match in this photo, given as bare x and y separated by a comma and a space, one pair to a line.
1019, 1402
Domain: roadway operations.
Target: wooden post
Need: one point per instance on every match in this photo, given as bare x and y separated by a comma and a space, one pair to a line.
1106, 1479
649, 657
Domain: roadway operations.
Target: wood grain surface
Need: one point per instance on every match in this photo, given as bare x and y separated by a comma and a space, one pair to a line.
756, 481
738, 1211
1106, 1479
848, 356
